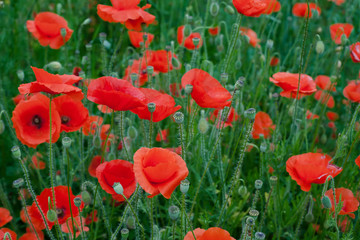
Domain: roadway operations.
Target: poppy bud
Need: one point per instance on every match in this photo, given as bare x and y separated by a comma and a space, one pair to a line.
309, 217
250, 113
258, 184
175, 62
77, 201
259, 236
214, 9
130, 222
107, 44
150, 70
273, 180
269, 44
323, 139
63, 32
118, 188
174, 212
66, 142
151, 107
18, 183
51, 215
320, 47
54, 66
58, 8
84, 60
344, 39
229, 10
20, 74
325, 200
339, 64
85, 195
132, 132
86, 21
97, 141
184, 186
102, 37
15, 150
179, 117
254, 213
263, 147
187, 30
188, 89
242, 191
203, 125
124, 233
224, 77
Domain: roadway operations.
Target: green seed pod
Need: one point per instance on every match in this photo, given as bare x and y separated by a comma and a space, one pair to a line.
239, 84
273, 180
196, 41
118, 188
326, 202
20, 74
242, 191
132, 132
179, 117
224, 77
250, 113
203, 125
134, 77
188, 89
77, 201
66, 142
214, 9
174, 212
254, 213
63, 32
51, 215
54, 66
229, 10
85, 195
319, 47
18, 183
131, 222
259, 236
263, 147
124, 233
184, 186
150, 70
151, 107
15, 151
258, 184
309, 217
250, 221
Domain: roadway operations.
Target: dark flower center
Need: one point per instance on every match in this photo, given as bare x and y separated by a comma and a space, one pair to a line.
60, 213
65, 119
36, 121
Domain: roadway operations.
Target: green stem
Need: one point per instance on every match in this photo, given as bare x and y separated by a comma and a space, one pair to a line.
68, 185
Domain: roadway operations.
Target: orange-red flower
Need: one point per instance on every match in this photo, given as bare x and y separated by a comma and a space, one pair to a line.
32, 123
339, 29
324, 83
310, 115
165, 105
332, 116
337, 2
310, 168
46, 28
289, 83
355, 52
164, 135
52, 83
213, 233
207, 91
62, 207
325, 98
91, 124
3, 231
357, 161
68, 226
159, 170
254, 8
302, 9
117, 94
274, 61
188, 41
349, 202
72, 112
116, 171
138, 37
95, 162
91, 217
352, 91
253, 39
36, 162
263, 125
126, 12
214, 30
232, 117
5, 216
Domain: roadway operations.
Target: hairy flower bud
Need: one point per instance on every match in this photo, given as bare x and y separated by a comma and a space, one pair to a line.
132, 132
51, 215
229, 10
85, 195
118, 188
325, 200
214, 9
319, 47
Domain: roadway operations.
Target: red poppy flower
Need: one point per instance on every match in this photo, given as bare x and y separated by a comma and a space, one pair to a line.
29, 236
138, 37
207, 91
254, 8
5, 216
138, 67
164, 135
126, 12
324, 83
310, 168
165, 105
325, 98
253, 39
117, 94
76, 71
32, 123
332, 116
302, 9
214, 30
263, 125
337, 2
52, 83
331, 125
177, 150
289, 83
116, 171
274, 61
91, 124
95, 162
77, 223
213, 233
310, 115
352, 91
339, 29
46, 28
348, 200
159, 170
62, 208
18, 98
188, 41
89, 218
36, 162
104, 109
357, 161
232, 117
72, 112
355, 52
13, 235
160, 60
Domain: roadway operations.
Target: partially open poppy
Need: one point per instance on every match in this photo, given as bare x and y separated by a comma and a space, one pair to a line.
263, 126
355, 52
352, 91
5, 216
126, 12
289, 83
213, 233
349, 202
95, 162
302, 9
159, 170
32, 123
136, 38
310, 168
253, 39
79, 224
165, 105
3, 231
324, 83
117, 94
255, 8
339, 29
36, 162
92, 123
52, 83
207, 91
214, 30
332, 116
163, 137
188, 42
310, 115
47, 27
325, 98
116, 171
72, 112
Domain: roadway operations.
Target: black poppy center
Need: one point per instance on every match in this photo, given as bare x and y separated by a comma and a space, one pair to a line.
36, 121
65, 119
143, 71
60, 213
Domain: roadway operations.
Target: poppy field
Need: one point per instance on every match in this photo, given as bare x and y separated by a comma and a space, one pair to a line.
179, 120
